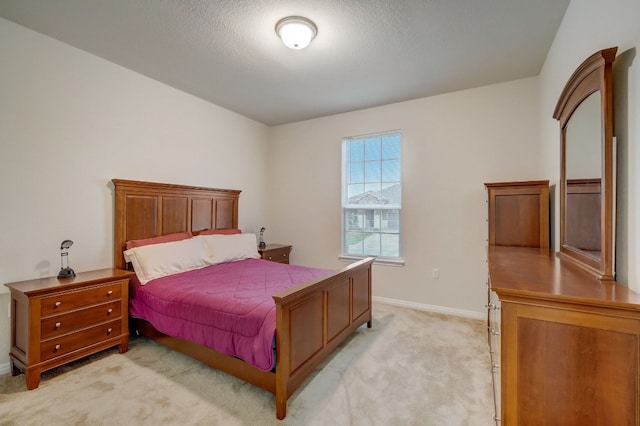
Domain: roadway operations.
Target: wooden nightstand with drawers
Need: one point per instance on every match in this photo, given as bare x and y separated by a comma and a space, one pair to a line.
56, 321
275, 253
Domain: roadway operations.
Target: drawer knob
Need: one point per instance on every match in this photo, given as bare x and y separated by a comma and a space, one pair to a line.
57, 347
110, 292
109, 330
57, 304
58, 324
109, 311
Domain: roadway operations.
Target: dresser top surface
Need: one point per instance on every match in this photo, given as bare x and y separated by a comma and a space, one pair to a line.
274, 247
516, 184
533, 272
48, 284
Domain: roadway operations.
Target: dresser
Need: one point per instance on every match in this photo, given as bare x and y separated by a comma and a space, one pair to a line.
275, 253
56, 321
565, 346
569, 344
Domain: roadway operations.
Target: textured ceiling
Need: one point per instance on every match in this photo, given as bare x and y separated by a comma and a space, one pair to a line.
367, 52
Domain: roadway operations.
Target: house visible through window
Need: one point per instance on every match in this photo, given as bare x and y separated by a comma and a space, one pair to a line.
371, 195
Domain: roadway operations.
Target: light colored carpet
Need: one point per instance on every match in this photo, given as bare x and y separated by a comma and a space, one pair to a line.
411, 368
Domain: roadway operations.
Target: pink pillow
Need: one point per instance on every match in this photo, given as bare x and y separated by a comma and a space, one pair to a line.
229, 231
178, 236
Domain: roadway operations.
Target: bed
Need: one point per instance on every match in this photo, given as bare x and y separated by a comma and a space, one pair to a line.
311, 319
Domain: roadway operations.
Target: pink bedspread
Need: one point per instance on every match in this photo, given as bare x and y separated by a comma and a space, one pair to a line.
227, 307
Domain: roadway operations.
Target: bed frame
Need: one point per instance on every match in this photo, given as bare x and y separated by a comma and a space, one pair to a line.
311, 318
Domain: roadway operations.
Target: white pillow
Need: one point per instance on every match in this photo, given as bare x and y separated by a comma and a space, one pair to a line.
159, 260
230, 248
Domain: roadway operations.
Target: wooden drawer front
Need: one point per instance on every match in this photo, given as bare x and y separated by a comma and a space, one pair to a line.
61, 345
71, 321
278, 255
494, 349
63, 302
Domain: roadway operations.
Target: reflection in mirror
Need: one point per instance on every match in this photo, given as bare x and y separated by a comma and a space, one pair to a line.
583, 154
584, 140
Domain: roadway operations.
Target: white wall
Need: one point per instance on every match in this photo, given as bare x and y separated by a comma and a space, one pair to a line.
451, 144
589, 26
69, 123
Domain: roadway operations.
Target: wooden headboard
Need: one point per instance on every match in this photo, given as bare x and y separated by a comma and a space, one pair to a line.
149, 209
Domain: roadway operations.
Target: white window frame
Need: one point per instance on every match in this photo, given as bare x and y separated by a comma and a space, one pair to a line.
345, 206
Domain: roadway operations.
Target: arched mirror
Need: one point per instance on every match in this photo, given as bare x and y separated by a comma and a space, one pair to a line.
587, 187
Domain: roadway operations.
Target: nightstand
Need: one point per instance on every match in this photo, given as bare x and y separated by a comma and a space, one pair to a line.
275, 253
56, 321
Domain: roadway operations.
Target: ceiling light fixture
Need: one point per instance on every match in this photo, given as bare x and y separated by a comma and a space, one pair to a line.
296, 32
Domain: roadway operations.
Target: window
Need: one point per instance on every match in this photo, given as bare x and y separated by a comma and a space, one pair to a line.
371, 196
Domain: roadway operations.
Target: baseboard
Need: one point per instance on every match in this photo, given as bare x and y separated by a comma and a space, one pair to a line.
431, 308
5, 368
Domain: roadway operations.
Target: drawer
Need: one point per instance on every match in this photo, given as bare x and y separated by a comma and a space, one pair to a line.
69, 342
494, 320
278, 255
63, 302
65, 323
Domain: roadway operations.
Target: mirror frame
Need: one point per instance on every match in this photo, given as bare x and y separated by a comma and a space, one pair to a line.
594, 74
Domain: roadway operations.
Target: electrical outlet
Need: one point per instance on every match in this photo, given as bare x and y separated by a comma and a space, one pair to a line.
435, 273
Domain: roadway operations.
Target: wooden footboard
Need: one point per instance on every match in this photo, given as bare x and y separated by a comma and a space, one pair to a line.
314, 318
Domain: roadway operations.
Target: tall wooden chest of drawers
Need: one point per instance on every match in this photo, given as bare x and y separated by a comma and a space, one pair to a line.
56, 321
518, 213
518, 216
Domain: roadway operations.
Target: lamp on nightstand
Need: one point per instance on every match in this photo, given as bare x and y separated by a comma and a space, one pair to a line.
65, 271
262, 243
